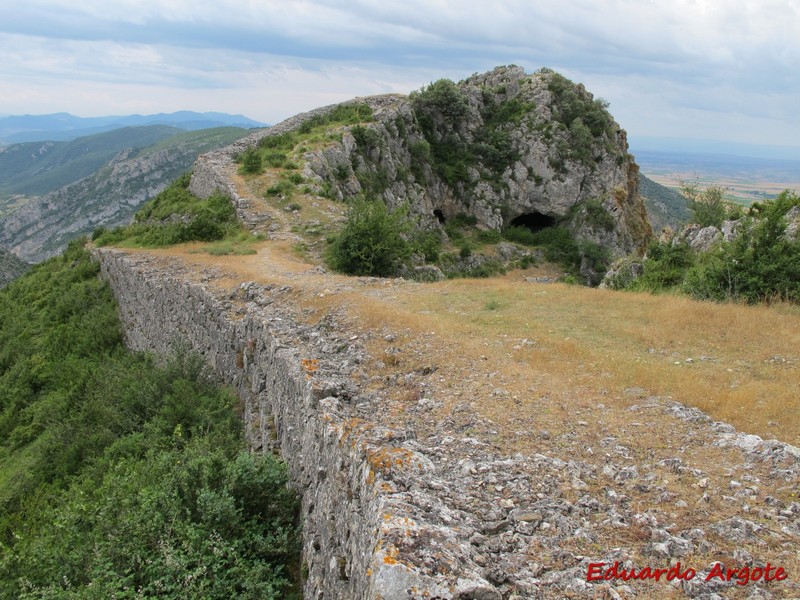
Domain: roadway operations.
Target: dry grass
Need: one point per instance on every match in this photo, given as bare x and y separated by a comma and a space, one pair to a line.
555, 369
582, 346
537, 351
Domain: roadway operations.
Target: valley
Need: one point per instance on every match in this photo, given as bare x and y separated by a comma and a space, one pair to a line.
744, 179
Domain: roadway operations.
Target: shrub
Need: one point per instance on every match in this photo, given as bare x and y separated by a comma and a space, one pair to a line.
429, 244
366, 138
442, 97
759, 265
520, 235
664, 266
597, 216
489, 236
372, 241
284, 141
120, 477
708, 207
175, 216
571, 103
251, 161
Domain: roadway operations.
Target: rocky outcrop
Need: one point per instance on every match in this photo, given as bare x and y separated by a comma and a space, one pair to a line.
505, 147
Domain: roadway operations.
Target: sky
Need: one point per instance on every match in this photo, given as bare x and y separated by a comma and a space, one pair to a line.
703, 69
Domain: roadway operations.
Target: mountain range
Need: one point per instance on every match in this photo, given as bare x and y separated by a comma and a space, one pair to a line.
65, 127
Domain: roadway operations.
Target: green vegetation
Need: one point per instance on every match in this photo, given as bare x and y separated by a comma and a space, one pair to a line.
343, 114
595, 216
587, 119
251, 161
115, 190
175, 216
276, 150
573, 103
11, 267
374, 240
562, 248
759, 265
238, 245
120, 478
441, 110
709, 207
35, 168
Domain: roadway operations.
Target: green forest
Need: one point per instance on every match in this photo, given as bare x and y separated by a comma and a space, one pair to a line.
120, 476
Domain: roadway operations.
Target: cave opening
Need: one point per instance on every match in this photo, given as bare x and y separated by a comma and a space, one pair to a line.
439, 216
534, 221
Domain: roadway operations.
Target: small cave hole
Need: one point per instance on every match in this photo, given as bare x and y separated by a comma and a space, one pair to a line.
534, 221
439, 216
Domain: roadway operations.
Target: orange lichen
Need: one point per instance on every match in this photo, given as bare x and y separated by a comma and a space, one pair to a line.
390, 558
384, 459
310, 365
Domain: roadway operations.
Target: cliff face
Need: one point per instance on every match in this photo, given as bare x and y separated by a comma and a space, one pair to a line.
505, 147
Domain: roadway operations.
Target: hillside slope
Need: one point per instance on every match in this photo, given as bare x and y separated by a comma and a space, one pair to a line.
109, 196
36, 168
11, 267
503, 149
487, 438
665, 207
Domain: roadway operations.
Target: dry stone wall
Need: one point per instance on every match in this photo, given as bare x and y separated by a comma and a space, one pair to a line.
355, 478
390, 514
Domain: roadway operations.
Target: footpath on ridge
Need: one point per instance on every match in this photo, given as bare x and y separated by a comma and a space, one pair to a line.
512, 469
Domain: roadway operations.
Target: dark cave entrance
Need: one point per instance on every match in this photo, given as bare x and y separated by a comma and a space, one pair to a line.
534, 221
439, 216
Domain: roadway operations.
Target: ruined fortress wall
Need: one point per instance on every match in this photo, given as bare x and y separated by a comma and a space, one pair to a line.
355, 478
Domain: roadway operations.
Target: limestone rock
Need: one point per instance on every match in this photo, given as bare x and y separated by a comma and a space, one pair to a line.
516, 151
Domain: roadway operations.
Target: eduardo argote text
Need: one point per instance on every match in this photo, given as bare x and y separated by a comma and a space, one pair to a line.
741, 576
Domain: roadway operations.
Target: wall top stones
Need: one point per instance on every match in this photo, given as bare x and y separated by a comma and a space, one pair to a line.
389, 515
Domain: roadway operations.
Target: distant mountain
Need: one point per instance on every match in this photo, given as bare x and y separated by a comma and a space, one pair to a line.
11, 267
65, 127
36, 168
665, 207
109, 196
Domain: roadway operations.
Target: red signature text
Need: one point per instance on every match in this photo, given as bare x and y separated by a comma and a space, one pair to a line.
741, 576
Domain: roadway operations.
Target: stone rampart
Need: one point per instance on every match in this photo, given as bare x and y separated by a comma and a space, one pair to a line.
365, 502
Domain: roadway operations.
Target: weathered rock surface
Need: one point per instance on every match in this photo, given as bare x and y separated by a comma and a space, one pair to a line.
523, 155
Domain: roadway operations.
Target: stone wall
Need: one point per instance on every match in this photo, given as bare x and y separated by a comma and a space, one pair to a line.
361, 483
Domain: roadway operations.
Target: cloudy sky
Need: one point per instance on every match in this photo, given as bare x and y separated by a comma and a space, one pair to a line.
707, 69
